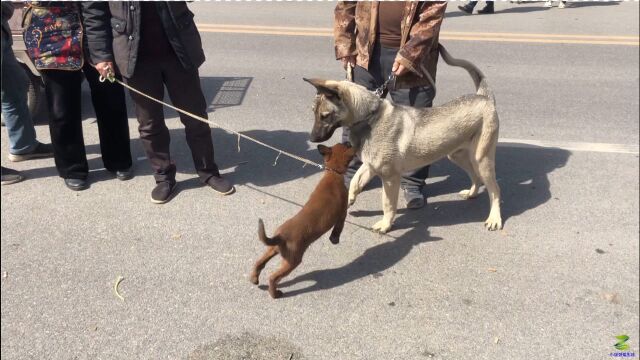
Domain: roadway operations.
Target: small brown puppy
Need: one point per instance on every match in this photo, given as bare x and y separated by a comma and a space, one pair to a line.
326, 208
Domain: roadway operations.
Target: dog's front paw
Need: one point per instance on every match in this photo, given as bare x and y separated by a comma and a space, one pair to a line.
493, 223
254, 278
352, 199
275, 294
382, 226
335, 239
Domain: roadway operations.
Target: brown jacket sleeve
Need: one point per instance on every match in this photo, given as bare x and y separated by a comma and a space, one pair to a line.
423, 36
344, 27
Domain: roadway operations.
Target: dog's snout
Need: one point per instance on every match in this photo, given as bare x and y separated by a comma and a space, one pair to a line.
314, 138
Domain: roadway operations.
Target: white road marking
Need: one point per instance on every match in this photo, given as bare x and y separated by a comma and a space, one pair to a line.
571, 146
627, 40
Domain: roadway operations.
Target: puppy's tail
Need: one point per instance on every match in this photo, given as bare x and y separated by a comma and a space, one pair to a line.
263, 237
482, 88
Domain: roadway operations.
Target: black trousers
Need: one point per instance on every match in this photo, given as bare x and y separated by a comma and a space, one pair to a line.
472, 4
379, 70
63, 92
151, 76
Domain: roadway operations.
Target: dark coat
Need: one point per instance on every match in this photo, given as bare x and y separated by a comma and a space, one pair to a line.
112, 29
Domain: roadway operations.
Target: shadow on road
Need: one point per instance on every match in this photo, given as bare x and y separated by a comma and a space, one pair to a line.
254, 164
219, 92
373, 261
578, 4
523, 177
222, 92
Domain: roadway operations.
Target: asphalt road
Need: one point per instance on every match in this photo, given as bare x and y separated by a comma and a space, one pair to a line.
559, 282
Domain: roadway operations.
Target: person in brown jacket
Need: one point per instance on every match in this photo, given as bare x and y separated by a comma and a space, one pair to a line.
399, 37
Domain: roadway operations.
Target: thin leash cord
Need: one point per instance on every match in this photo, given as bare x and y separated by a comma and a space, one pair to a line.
240, 135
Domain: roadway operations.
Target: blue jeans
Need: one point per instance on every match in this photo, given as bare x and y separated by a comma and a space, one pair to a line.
22, 134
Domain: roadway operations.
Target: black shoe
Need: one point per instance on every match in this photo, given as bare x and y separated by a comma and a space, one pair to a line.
10, 176
125, 174
414, 198
163, 192
76, 184
220, 185
486, 10
41, 151
466, 9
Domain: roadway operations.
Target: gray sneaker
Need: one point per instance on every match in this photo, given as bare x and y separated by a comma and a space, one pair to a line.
413, 198
41, 151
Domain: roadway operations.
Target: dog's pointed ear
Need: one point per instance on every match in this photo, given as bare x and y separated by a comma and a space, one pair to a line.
324, 150
327, 88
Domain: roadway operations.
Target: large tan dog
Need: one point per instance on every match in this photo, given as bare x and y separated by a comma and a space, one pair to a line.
392, 139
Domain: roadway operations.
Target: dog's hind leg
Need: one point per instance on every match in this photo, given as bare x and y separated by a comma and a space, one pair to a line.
260, 264
286, 267
486, 165
390, 190
462, 159
359, 181
337, 228
487, 172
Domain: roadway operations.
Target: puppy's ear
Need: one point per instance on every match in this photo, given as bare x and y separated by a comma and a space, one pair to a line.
324, 151
324, 87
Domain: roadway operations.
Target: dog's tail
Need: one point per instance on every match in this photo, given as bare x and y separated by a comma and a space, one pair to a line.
263, 237
482, 88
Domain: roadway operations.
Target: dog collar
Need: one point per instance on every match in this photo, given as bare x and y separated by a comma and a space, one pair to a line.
333, 170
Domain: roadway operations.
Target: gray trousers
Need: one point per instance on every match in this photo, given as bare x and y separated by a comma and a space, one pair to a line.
380, 65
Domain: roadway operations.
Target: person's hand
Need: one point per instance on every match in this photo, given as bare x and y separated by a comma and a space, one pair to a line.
351, 59
398, 69
105, 68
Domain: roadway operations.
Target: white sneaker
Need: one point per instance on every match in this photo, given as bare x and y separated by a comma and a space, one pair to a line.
548, 4
561, 5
